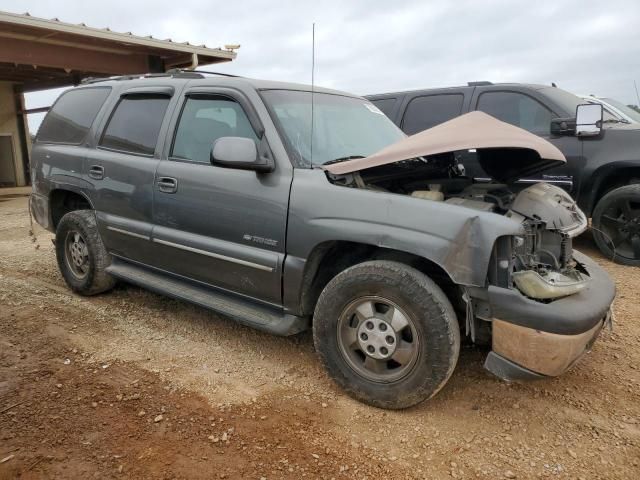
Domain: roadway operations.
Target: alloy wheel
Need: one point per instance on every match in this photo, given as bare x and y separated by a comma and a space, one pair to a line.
378, 339
620, 223
77, 254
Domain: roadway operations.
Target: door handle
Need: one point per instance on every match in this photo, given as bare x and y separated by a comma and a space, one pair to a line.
167, 185
96, 172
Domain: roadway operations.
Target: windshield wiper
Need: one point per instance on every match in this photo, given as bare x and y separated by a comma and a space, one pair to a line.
343, 159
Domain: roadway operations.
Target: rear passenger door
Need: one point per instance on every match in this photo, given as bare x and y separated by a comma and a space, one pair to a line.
122, 169
220, 226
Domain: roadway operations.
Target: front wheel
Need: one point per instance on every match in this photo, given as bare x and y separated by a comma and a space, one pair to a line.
616, 222
387, 334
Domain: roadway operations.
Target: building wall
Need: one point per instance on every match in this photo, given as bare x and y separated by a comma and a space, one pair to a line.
9, 125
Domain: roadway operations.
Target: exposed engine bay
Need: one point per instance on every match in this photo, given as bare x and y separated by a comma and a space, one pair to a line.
540, 261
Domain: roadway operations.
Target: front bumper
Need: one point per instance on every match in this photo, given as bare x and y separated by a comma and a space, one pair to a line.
532, 339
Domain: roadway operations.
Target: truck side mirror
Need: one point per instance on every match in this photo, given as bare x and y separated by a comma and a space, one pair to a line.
240, 153
563, 126
588, 120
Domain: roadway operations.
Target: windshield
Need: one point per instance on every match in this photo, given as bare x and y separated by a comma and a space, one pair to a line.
608, 115
628, 111
343, 127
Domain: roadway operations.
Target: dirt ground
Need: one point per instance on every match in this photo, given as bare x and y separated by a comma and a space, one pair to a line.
134, 385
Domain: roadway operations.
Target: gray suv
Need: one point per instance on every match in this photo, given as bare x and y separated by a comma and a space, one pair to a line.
224, 192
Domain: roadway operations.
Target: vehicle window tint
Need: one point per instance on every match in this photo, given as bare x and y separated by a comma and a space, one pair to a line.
429, 111
72, 115
135, 124
517, 109
203, 121
385, 105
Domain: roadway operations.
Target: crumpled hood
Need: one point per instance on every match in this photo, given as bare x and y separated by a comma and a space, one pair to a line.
506, 153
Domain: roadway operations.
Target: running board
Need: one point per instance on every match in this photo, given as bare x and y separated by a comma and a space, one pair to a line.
243, 311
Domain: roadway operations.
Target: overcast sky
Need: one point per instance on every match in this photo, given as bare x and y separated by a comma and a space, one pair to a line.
373, 46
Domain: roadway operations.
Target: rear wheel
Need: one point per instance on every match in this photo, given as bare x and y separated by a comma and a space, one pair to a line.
387, 334
82, 257
616, 222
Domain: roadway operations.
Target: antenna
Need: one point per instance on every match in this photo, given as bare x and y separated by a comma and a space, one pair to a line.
637, 96
313, 68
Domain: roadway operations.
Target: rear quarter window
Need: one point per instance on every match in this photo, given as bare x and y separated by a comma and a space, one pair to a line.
71, 117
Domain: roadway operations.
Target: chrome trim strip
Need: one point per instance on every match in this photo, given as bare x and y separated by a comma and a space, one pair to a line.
531, 180
214, 255
551, 181
127, 232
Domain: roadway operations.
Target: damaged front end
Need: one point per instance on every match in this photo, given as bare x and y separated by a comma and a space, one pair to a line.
551, 303
543, 266
546, 303
540, 304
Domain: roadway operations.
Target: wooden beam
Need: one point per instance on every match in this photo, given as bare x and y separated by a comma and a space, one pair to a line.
35, 85
184, 60
29, 111
23, 131
69, 58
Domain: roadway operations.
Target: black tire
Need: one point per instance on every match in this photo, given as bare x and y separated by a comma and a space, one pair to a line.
82, 263
616, 222
433, 327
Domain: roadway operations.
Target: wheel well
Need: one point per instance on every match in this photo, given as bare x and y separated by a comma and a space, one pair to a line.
619, 178
62, 202
330, 258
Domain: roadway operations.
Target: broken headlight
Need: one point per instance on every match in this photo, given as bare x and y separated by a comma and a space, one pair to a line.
549, 285
544, 268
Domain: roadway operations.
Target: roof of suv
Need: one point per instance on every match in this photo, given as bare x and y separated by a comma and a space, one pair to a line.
214, 80
532, 86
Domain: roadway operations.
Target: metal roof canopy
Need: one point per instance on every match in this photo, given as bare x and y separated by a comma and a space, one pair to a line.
41, 54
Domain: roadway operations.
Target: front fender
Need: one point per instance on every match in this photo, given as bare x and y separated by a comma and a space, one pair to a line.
457, 239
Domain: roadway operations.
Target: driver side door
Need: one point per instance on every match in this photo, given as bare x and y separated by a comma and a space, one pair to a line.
220, 226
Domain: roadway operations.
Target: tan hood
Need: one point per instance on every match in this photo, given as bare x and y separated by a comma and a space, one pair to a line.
505, 152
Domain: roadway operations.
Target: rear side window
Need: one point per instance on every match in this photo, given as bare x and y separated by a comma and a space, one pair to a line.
72, 115
135, 124
517, 109
426, 112
203, 121
385, 105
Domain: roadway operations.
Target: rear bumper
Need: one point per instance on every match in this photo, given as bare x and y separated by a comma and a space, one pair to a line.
533, 340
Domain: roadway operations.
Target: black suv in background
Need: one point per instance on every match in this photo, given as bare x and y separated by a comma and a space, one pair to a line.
602, 171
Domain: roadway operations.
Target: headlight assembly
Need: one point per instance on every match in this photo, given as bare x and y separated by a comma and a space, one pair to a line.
551, 285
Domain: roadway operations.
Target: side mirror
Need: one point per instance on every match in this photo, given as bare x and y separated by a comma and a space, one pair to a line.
588, 120
239, 152
563, 126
